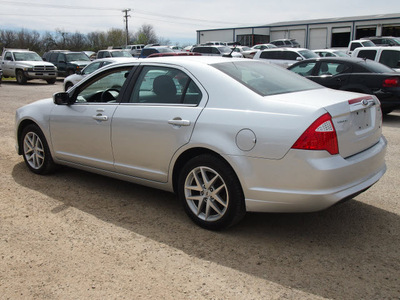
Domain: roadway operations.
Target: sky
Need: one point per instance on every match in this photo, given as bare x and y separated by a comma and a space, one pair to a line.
176, 20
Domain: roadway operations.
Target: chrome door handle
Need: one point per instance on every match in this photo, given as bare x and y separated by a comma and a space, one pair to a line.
100, 118
179, 122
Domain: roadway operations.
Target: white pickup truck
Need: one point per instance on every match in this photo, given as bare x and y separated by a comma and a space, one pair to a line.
26, 65
389, 56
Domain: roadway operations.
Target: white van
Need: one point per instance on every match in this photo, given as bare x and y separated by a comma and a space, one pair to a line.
389, 56
135, 49
285, 57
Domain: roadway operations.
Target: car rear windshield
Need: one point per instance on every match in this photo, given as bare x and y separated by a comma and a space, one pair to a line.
264, 78
375, 67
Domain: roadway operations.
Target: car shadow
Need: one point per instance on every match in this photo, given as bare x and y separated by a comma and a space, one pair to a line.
392, 119
350, 251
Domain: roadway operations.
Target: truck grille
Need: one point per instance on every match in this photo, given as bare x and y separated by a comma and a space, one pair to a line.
43, 68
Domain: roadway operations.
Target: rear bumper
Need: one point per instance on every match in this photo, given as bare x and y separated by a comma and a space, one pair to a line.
389, 101
307, 181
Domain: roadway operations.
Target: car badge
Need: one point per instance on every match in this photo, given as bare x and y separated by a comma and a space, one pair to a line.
365, 102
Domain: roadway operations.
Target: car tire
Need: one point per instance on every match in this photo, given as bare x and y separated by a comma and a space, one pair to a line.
21, 78
211, 192
51, 81
35, 150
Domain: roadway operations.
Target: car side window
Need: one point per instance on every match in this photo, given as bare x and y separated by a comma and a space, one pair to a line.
161, 85
391, 58
327, 68
369, 54
304, 69
288, 55
105, 89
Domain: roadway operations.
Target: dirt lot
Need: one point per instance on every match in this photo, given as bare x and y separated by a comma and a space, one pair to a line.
76, 235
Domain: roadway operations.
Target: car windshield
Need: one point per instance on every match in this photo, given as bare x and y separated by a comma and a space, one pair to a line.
165, 50
368, 44
120, 54
264, 78
27, 56
341, 53
308, 54
76, 57
224, 49
396, 41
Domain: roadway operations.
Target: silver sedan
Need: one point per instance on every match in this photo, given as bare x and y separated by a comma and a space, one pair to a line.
226, 135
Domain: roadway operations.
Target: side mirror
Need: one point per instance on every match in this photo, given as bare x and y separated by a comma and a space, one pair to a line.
298, 58
62, 99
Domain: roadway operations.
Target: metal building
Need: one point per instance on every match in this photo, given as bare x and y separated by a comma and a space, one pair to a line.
312, 34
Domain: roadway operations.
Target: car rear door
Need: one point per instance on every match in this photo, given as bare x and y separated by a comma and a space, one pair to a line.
152, 123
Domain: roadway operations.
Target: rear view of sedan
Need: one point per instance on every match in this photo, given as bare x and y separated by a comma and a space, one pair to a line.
226, 135
356, 75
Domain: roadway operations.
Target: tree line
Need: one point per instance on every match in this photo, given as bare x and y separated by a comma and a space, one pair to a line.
93, 41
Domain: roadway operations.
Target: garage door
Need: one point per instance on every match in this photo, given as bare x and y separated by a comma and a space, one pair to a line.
299, 35
279, 34
318, 38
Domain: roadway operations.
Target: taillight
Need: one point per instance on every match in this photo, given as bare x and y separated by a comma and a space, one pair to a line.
321, 135
391, 82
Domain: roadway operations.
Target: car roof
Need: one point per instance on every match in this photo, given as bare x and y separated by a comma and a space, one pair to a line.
397, 48
284, 49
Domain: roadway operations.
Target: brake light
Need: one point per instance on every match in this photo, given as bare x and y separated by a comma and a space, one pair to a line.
391, 82
321, 135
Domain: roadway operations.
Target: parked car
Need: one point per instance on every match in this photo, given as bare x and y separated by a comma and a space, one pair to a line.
135, 49
113, 53
263, 46
155, 49
354, 74
389, 56
247, 52
384, 40
25, 65
90, 68
286, 43
221, 133
357, 44
182, 53
330, 53
67, 62
285, 57
216, 51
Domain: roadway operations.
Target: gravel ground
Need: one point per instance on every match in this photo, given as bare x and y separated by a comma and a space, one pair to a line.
76, 235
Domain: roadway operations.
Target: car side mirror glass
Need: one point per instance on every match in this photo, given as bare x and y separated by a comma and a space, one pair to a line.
62, 99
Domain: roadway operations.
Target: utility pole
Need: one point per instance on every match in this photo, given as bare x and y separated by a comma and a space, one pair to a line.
126, 16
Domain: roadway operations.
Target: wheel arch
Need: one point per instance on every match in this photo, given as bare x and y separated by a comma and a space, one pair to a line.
189, 154
21, 127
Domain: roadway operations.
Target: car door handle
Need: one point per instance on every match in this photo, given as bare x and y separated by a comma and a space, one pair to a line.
179, 122
100, 118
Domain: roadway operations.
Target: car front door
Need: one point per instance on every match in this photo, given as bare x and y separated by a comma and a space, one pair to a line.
81, 132
154, 121
331, 74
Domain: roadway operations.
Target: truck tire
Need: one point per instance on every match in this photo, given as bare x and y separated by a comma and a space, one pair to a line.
21, 78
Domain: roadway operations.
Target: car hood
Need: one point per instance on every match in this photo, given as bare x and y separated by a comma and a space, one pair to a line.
34, 63
80, 62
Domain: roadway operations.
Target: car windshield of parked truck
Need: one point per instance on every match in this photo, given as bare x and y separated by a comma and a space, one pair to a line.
120, 54
77, 57
27, 56
308, 54
264, 78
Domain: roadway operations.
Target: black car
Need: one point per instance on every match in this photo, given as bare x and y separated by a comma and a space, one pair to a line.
356, 75
67, 62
